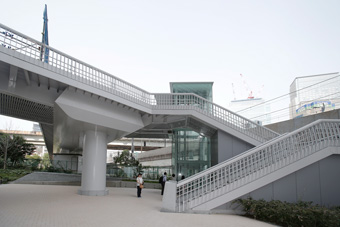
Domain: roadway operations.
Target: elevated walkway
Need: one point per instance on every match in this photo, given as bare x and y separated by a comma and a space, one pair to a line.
82, 107
20, 57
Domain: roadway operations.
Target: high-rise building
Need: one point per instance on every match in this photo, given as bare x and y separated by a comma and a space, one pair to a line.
314, 94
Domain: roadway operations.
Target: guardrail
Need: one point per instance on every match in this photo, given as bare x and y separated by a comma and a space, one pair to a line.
189, 101
257, 163
71, 67
84, 73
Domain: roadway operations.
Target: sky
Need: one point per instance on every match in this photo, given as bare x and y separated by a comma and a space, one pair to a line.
153, 43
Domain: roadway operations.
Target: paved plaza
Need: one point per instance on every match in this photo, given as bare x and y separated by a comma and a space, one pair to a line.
54, 205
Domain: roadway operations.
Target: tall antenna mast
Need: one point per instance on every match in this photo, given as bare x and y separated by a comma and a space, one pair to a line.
44, 50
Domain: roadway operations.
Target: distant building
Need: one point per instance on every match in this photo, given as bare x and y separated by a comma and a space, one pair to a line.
314, 94
36, 128
158, 157
253, 109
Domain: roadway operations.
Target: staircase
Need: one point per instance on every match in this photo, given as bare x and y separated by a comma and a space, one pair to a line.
258, 167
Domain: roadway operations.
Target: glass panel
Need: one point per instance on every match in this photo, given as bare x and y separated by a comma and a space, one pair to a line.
203, 89
190, 153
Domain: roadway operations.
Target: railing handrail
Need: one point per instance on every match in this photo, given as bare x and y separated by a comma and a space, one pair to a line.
263, 160
228, 161
252, 151
73, 58
142, 97
221, 107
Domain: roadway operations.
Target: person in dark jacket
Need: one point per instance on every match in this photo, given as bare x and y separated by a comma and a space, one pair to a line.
163, 182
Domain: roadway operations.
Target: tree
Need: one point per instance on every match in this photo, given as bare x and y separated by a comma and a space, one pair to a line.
4, 139
46, 161
138, 169
126, 159
33, 156
33, 161
17, 148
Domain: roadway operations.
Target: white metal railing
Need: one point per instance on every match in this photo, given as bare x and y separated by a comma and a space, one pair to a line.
257, 163
71, 67
189, 101
84, 73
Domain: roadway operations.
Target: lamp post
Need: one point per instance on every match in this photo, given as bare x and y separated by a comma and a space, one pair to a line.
6, 148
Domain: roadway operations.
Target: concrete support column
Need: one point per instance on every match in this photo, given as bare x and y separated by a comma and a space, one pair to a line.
169, 197
93, 178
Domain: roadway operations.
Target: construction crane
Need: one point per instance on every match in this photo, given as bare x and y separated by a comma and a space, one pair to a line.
245, 84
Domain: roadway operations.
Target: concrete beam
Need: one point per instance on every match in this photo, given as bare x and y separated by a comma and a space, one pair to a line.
83, 107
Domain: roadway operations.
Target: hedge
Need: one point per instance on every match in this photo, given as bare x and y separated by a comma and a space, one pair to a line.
291, 214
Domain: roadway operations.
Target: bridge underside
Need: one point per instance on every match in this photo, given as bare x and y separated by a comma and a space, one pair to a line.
72, 121
30, 96
75, 121
160, 126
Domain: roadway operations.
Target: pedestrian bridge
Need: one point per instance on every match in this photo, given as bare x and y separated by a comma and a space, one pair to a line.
82, 108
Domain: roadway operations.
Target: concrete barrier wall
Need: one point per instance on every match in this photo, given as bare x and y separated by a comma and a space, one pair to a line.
131, 184
114, 184
46, 178
291, 125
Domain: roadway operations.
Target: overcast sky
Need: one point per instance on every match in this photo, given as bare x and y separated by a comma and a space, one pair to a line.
152, 43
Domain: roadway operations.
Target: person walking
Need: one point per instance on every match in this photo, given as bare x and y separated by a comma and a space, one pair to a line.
140, 185
163, 182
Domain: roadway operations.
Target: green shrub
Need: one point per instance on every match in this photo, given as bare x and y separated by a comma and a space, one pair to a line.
290, 214
7, 175
54, 169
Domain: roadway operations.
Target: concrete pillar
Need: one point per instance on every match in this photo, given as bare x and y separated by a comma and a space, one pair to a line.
169, 197
93, 178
